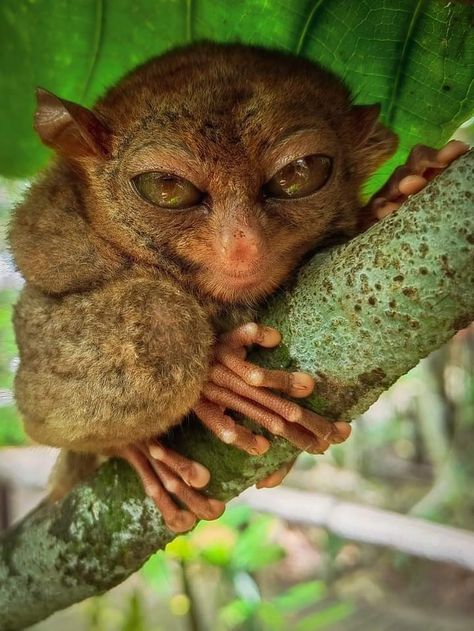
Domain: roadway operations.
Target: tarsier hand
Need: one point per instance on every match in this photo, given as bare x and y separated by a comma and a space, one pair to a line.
234, 385
422, 165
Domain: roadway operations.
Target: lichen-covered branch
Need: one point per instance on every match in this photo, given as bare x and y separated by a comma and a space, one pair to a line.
357, 317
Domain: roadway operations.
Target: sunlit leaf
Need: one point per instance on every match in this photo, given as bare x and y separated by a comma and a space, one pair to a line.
181, 548
218, 554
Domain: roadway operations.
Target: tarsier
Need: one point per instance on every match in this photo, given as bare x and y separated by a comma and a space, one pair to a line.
189, 193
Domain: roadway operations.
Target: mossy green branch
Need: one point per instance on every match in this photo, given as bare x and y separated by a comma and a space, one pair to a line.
357, 317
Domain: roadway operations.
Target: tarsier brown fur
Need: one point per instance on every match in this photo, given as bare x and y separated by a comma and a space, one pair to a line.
189, 192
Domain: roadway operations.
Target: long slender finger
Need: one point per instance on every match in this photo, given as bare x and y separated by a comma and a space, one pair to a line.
176, 519
228, 431
200, 505
412, 184
327, 431
385, 208
390, 191
276, 478
321, 427
296, 384
191, 472
451, 151
427, 161
272, 422
251, 333
222, 376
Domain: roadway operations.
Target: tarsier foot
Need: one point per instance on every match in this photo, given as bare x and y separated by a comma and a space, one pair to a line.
422, 165
238, 385
164, 473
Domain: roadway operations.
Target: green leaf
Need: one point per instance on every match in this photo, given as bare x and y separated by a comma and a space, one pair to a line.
219, 554
134, 617
236, 613
235, 516
11, 429
181, 548
252, 550
8, 348
157, 572
326, 618
214, 542
415, 57
300, 596
270, 617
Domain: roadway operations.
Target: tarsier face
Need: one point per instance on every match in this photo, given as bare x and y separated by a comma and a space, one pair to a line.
232, 162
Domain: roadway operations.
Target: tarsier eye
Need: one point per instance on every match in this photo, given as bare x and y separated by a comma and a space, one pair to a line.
167, 190
300, 177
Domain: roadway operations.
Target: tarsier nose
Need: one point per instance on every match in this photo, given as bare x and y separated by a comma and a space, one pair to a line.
240, 246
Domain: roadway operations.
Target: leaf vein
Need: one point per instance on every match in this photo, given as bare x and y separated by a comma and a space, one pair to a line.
96, 45
397, 84
189, 21
306, 26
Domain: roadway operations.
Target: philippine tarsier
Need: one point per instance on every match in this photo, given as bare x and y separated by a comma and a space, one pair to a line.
189, 193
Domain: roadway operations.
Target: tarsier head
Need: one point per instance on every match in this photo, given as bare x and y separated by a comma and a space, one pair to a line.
230, 161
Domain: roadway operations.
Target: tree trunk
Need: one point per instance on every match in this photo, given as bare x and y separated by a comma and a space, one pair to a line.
357, 317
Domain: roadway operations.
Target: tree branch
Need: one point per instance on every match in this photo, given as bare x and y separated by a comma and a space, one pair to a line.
357, 317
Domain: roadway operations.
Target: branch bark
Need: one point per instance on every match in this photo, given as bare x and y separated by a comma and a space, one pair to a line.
357, 317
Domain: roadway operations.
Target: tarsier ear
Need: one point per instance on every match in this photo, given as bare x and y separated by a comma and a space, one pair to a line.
374, 143
68, 128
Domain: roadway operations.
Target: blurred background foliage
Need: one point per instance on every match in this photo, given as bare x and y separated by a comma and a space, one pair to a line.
412, 452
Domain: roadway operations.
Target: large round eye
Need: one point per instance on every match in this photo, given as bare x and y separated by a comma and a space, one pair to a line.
167, 190
300, 177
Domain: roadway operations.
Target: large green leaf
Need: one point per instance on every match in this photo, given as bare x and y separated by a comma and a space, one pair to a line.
415, 57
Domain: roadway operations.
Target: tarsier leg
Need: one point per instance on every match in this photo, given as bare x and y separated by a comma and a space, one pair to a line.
238, 385
422, 165
164, 472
